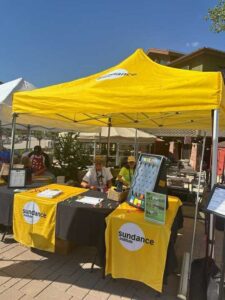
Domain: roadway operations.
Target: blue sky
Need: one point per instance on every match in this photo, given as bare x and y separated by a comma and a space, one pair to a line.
52, 41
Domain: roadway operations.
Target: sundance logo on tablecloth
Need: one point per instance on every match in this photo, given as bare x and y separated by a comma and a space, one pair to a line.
132, 237
31, 213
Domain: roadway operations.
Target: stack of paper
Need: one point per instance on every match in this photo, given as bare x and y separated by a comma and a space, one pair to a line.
90, 200
49, 193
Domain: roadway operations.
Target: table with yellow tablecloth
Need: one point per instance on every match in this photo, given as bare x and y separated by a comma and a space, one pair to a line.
34, 217
135, 248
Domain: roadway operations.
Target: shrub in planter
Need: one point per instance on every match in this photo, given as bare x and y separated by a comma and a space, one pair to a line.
70, 156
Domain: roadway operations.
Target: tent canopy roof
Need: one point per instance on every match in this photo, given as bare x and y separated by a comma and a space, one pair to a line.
6, 94
135, 93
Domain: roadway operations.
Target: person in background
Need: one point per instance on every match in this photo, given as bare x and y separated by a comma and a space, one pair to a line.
98, 177
127, 172
39, 161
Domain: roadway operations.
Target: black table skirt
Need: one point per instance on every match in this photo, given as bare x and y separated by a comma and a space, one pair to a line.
6, 205
84, 224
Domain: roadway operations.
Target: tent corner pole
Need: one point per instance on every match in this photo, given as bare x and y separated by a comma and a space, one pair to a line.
1, 133
215, 135
108, 141
13, 138
135, 144
197, 203
28, 137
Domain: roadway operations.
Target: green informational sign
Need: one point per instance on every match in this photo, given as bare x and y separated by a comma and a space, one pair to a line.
155, 207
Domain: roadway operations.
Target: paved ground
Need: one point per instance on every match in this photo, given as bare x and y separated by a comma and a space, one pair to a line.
25, 274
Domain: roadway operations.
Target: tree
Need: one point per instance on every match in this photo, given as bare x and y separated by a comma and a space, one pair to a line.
71, 156
217, 16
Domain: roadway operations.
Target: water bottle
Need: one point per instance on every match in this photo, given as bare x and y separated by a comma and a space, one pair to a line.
119, 186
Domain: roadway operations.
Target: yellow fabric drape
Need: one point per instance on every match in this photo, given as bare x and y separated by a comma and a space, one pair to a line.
34, 218
137, 249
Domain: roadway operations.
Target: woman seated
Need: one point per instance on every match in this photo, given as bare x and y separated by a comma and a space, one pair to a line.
127, 172
98, 177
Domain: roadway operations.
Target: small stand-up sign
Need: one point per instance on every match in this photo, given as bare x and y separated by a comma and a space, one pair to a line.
17, 178
155, 207
216, 206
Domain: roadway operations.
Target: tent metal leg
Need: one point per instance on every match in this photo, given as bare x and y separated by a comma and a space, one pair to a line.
1, 141
215, 134
28, 137
197, 203
108, 141
13, 139
135, 144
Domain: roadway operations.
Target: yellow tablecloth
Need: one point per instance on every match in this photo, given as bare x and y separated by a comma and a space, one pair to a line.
137, 249
34, 217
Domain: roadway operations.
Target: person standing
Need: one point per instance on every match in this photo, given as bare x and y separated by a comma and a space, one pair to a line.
127, 172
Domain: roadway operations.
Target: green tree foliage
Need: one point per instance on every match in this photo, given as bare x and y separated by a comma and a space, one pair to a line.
217, 16
71, 156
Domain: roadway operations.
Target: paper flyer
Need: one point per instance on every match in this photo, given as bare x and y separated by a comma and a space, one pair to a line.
155, 207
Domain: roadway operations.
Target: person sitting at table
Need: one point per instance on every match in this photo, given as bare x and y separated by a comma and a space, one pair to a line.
127, 172
40, 162
98, 177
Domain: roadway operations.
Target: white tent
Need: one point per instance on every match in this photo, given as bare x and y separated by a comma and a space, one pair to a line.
119, 135
6, 95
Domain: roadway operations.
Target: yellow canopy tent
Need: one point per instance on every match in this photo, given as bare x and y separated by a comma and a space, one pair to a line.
135, 93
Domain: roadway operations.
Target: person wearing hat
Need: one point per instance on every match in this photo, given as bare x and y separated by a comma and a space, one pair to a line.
127, 172
98, 177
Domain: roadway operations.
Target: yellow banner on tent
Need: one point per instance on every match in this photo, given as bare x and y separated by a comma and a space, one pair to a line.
137, 249
34, 218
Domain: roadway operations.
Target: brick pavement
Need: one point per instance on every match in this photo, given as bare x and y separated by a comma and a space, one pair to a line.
26, 274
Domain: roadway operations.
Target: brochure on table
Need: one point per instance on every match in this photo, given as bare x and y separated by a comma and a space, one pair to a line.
155, 207
90, 200
49, 193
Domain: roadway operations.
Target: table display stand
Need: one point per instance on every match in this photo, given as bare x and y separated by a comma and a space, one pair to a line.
149, 176
221, 288
216, 206
6, 231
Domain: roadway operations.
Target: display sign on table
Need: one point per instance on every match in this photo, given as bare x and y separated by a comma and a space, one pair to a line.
17, 178
155, 207
149, 176
216, 201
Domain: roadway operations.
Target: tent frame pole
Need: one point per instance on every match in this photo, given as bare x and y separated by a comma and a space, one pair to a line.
197, 202
135, 144
94, 153
28, 137
108, 141
1, 133
13, 139
215, 134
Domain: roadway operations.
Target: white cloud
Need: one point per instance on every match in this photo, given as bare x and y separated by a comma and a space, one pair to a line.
192, 44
